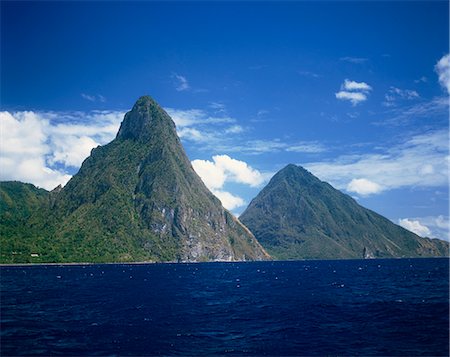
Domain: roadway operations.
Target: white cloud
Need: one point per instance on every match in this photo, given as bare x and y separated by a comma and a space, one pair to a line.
442, 68
353, 97
71, 150
215, 174
180, 82
420, 161
439, 226
23, 150
355, 92
229, 201
363, 187
226, 169
238, 171
358, 86
415, 227
40, 147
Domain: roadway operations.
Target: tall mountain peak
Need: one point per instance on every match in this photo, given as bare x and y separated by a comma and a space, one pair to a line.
137, 199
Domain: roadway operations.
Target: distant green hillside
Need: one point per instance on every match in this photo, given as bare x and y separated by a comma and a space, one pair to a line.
135, 199
18, 203
297, 216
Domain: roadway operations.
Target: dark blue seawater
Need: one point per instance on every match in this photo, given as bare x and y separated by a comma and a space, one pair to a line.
365, 307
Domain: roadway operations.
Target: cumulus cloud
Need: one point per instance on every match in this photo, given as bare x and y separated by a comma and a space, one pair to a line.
442, 69
238, 171
23, 151
71, 150
215, 174
229, 201
363, 187
226, 169
213, 177
43, 147
180, 82
418, 161
353, 97
352, 85
415, 227
438, 225
355, 92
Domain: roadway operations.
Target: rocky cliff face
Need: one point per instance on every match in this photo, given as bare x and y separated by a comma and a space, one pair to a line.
139, 199
297, 216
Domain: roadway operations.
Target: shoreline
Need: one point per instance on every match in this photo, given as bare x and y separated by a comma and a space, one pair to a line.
218, 261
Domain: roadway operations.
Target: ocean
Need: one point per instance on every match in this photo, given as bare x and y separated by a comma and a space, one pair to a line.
376, 307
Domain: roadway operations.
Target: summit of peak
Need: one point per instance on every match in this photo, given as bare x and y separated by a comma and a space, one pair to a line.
146, 117
145, 101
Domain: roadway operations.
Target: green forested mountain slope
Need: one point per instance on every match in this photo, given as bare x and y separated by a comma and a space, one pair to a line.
138, 199
18, 203
297, 216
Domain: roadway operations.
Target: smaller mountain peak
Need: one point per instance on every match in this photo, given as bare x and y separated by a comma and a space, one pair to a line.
145, 117
294, 169
290, 167
294, 174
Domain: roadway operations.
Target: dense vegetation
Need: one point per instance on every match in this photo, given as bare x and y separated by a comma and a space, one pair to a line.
18, 239
135, 199
297, 216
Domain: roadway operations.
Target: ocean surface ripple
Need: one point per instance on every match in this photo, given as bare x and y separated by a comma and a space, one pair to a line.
356, 307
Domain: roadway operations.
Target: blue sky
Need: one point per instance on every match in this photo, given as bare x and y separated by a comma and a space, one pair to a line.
356, 92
